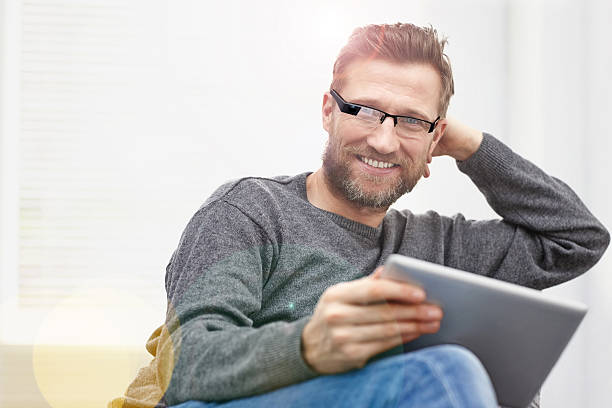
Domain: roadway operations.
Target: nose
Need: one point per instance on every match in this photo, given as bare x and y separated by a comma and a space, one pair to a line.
383, 138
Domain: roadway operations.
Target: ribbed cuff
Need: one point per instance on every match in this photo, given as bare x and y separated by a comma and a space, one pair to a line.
491, 160
284, 358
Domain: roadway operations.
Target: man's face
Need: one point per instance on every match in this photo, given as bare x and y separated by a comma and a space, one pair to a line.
402, 89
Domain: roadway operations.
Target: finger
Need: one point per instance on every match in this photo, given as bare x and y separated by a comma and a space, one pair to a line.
375, 332
370, 349
365, 291
377, 272
345, 313
378, 332
429, 327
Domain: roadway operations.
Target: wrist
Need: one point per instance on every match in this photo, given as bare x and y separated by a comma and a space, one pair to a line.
472, 141
306, 355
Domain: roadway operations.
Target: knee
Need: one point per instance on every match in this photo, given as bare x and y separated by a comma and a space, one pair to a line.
463, 375
457, 359
446, 359
449, 362
449, 375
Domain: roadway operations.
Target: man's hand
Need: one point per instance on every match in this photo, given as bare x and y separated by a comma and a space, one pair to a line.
356, 320
458, 141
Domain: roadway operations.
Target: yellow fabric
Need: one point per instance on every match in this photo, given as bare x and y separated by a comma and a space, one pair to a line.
151, 382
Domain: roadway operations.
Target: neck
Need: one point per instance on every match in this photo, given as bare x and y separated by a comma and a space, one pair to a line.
322, 196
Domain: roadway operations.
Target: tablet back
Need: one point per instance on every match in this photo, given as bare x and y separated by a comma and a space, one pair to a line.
517, 333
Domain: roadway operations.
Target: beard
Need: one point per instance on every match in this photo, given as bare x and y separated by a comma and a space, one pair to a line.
339, 175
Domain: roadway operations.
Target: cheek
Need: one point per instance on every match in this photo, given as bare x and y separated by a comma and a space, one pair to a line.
348, 133
415, 149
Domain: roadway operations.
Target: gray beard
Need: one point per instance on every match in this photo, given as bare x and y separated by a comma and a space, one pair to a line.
337, 172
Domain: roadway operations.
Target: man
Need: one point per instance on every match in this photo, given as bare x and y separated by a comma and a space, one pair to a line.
274, 294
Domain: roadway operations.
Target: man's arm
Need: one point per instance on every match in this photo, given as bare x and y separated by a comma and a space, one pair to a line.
546, 236
214, 284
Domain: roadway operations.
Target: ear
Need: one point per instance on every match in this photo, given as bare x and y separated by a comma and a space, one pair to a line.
438, 134
326, 110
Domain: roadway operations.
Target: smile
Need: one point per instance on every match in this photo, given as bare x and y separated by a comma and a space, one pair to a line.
375, 163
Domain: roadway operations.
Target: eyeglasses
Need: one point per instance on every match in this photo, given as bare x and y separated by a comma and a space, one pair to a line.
372, 117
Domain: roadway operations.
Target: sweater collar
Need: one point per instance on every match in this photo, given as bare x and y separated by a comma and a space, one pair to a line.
363, 230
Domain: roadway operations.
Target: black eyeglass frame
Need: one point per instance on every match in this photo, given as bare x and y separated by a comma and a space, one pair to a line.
354, 108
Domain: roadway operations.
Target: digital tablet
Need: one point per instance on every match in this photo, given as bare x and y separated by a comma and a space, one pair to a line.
517, 333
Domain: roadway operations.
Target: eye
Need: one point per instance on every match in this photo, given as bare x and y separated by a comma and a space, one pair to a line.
369, 114
410, 121
413, 124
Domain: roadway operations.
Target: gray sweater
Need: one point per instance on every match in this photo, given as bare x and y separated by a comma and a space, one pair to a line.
255, 258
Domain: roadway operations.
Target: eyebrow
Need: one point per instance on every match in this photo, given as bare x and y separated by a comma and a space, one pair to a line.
371, 102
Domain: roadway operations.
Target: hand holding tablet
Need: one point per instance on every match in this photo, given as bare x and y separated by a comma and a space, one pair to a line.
358, 319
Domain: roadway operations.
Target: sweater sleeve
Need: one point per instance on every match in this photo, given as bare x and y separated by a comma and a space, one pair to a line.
214, 283
546, 236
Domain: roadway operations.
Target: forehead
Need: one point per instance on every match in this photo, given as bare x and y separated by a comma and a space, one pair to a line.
398, 88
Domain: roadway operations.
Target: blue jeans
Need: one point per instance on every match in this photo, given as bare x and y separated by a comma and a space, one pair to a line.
435, 377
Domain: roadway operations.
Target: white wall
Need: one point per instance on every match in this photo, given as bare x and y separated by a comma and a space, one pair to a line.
596, 177
559, 82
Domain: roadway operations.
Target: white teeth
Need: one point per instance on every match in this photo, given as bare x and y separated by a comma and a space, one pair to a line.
376, 163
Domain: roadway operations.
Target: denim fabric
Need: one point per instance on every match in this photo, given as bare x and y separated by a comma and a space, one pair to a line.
435, 377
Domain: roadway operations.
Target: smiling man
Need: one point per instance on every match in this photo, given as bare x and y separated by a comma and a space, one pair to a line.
274, 292
372, 157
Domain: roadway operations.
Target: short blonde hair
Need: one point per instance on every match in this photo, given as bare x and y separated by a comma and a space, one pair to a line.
398, 43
